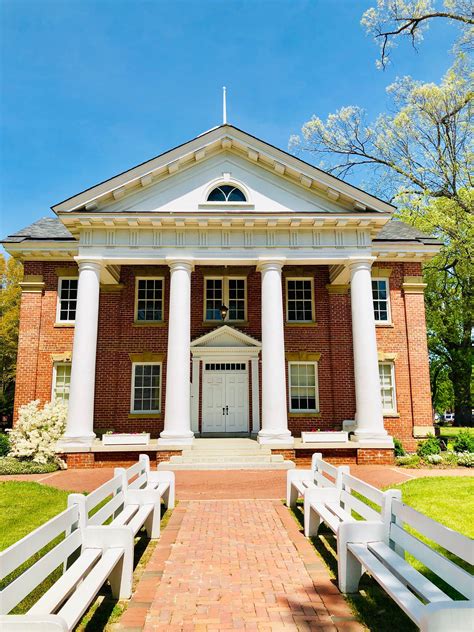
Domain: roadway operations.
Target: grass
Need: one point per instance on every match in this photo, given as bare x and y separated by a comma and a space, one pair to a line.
450, 431
449, 500
24, 506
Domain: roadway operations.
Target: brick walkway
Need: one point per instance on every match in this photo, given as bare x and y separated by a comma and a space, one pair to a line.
235, 565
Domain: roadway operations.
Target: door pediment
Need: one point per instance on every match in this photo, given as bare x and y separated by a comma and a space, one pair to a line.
225, 337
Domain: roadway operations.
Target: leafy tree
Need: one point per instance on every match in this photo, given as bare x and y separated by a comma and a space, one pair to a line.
11, 273
421, 157
393, 20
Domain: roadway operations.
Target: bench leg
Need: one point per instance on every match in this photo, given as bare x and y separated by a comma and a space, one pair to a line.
153, 522
291, 495
168, 497
349, 571
121, 577
312, 521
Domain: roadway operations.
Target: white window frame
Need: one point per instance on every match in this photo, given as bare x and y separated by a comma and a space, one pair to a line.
58, 302
53, 382
389, 310
132, 390
316, 386
135, 309
394, 410
301, 278
225, 297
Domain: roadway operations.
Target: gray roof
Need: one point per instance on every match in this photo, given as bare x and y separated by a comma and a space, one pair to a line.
46, 228
52, 229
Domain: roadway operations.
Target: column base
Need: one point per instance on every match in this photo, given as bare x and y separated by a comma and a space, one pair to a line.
172, 438
367, 437
268, 437
69, 441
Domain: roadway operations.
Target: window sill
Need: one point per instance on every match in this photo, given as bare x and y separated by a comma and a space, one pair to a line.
149, 323
386, 325
309, 323
304, 415
215, 323
64, 325
145, 415
391, 415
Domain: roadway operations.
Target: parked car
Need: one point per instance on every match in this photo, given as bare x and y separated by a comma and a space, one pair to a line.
448, 418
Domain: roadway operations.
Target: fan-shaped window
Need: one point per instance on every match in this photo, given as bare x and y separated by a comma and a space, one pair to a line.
226, 193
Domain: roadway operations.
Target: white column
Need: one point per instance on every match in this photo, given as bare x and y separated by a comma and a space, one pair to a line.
369, 418
274, 407
80, 421
178, 386
255, 397
195, 395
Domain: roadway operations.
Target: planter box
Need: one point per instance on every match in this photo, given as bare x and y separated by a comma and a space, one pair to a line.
126, 439
325, 436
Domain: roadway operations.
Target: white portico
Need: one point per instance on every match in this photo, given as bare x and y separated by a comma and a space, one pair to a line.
225, 200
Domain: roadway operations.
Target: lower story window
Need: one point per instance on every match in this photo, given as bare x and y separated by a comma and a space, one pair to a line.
387, 387
303, 387
146, 387
61, 380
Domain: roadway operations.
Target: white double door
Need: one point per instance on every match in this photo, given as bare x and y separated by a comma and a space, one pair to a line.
225, 398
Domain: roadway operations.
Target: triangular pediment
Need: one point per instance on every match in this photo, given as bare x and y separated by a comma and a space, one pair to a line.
225, 337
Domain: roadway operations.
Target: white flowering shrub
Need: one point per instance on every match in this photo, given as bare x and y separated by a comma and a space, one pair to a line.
434, 459
37, 431
466, 459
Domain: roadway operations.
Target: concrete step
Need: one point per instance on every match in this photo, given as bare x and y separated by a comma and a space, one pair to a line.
236, 458
285, 465
227, 450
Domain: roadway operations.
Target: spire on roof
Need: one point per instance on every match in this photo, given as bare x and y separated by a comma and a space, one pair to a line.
224, 106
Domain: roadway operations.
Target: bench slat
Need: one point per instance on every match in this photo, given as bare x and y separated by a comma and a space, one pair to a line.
359, 506
323, 481
22, 585
137, 469
407, 601
459, 544
327, 516
341, 513
79, 601
125, 516
107, 510
107, 489
407, 574
138, 482
61, 589
364, 489
443, 567
17, 553
139, 518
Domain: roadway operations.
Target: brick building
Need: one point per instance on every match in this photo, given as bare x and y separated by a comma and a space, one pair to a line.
226, 287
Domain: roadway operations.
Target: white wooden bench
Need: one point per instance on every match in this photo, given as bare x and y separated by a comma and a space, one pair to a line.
132, 498
335, 505
373, 548
321, 475
99, 553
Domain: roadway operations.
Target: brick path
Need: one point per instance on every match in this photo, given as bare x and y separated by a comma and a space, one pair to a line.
235, 565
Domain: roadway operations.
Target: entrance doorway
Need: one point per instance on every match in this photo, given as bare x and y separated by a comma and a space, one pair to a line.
225, 397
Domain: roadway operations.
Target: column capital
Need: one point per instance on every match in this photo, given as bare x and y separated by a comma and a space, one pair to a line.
360, 263
270, 263
89, 263
180, 263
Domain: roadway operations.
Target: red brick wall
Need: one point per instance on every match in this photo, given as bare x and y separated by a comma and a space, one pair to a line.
331, 337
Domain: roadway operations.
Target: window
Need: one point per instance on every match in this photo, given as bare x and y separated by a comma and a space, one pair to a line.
387, 387
149, 300
380, 296
303, 387
226, 193
146, 387
67, 299
61, 380
225, 291
299, 300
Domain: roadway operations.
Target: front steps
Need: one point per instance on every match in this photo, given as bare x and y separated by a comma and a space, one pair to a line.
226, 454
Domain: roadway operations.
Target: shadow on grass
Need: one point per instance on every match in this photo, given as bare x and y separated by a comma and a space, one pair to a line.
372, 606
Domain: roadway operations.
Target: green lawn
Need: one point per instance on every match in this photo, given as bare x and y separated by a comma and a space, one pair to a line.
447, 499
450, 431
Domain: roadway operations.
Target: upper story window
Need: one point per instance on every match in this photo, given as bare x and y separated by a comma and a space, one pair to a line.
149, 300
380, 295
67, 299
226, 193
299, 300
230, 292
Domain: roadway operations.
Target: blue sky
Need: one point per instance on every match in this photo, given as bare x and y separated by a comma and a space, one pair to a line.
91, 88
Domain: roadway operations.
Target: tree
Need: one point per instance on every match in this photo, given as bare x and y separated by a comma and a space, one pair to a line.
421, 157
11, 273
392, 20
